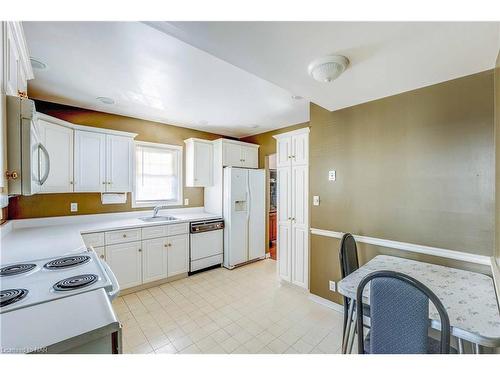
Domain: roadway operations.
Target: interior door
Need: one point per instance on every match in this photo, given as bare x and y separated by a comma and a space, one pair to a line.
178, 254
237, 214
90, 161
283, 152
154, 259
58, 140
119, 164
124, 259
257, 215
300, 219
284, 223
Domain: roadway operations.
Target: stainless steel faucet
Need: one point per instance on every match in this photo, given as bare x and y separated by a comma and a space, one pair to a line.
158, 208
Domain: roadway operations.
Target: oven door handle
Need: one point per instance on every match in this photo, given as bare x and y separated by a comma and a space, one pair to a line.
112, 294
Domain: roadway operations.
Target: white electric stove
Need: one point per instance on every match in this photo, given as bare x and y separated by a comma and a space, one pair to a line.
34, 282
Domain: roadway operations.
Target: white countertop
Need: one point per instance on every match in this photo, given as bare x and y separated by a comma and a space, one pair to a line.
30, 239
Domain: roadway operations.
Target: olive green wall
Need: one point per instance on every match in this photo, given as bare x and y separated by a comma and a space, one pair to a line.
497, 159
44, 205
416, 167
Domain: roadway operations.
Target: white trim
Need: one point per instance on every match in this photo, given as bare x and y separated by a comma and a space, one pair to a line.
24, 54
191, 140
293, 132
58, 121
495, 271
405, 246
325, 302
180, 163
226, 140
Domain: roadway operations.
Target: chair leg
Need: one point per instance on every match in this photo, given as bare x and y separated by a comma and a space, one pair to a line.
352, 334
347, 331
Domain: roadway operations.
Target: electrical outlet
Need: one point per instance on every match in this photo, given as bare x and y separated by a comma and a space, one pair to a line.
73, 207
332, 175
332, 286
186, 201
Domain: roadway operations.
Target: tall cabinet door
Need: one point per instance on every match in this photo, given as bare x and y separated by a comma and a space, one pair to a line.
300, 219
284, 151
284, 223
154, 259
90, 161
300, 149
119, 164
58, 140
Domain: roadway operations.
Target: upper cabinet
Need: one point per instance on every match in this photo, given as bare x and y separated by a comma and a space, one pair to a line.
199, 162
239, 154
16, 60
103, 162
292, 149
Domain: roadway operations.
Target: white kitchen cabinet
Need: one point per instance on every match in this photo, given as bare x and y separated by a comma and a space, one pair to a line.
125, 260
155, 259
100, 251
58, 140
178, 254
199, 162
119, 151
90, 161
239, 154
103, 162
293, 206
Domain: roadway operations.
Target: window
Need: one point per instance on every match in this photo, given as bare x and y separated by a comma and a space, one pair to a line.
158, 175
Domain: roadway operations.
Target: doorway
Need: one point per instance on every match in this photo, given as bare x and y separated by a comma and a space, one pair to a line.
272, 197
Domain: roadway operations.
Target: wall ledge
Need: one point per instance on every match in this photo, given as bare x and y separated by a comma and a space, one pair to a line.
405, 246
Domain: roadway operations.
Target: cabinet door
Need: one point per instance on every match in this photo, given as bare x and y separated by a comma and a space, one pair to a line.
283, 152
231, 154
154, 259
300, 149
118, 164
90, 161
178, 254
58, 140
202, 164
125, 261
11, 63
300, 220
284, 223
250, 156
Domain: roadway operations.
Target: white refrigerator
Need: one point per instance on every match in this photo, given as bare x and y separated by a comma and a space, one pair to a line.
244, 215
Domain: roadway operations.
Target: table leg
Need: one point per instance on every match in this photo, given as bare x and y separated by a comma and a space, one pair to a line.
345, 337
460, 346
476, 348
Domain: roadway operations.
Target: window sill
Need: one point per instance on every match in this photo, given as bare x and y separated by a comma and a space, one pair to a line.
152, 204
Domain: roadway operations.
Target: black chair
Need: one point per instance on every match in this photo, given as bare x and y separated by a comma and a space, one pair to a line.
348, 256
399, 316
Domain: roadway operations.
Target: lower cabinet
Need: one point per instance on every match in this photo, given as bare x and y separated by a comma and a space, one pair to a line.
125, 261
139, 262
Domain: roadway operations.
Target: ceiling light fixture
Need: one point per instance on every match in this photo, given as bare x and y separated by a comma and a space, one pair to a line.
328, 68
297, 97
105, 100
37, 64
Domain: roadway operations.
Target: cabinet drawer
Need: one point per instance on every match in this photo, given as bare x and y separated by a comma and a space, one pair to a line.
93, 239
154, 232
119, 236
174, 229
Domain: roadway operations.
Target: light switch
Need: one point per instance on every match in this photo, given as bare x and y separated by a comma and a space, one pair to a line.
186, 201
73, 207
332, 286
332, 176
316, 200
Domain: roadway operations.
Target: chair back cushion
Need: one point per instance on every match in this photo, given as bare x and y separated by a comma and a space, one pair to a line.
399, 317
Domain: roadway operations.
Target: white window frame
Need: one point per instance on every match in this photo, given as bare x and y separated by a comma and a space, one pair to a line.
179, 149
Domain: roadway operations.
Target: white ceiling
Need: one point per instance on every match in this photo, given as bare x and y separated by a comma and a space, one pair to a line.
228, 77
386, 58
154, 76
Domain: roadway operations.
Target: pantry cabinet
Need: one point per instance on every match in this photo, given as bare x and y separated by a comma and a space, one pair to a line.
58, 140
293, 206
199, 162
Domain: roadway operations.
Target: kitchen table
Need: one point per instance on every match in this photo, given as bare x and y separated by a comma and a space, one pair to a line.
469, 298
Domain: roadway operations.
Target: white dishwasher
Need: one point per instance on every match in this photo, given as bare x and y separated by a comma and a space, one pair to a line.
207, 244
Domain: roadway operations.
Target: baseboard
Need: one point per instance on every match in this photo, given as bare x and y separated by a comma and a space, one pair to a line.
325, 302
268, 255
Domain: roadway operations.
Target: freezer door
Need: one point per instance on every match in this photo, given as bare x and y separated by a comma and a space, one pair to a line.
257, 216
236, 216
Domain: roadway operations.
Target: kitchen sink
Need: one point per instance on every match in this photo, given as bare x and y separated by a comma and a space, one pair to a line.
158, 218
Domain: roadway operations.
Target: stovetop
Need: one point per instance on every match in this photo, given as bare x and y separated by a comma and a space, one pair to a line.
29, 283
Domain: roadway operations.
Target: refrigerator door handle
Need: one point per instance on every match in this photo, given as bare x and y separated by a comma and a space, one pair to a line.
249, 205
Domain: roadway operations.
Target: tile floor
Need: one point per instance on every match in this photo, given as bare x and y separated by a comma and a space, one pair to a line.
245, 310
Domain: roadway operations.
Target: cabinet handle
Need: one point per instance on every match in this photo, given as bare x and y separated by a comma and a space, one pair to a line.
124, 236
140, 250
104, 183
166, 245
101, 256
71, 182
